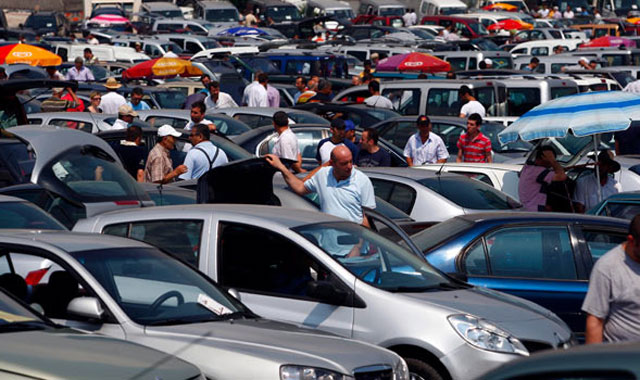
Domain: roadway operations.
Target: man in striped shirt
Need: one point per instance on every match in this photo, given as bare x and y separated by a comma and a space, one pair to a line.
473, 146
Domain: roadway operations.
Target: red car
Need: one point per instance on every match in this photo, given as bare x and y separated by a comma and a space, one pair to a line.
394, 21
468, 28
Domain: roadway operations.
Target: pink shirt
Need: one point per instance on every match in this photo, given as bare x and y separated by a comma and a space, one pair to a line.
529, 190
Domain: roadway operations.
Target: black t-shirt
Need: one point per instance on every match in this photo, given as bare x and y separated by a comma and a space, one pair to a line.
629, 140
133, 158
379, 158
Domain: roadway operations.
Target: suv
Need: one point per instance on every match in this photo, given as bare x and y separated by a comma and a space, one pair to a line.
221, 13
467, 27
48, 24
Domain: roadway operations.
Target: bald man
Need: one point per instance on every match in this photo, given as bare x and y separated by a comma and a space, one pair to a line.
342, 190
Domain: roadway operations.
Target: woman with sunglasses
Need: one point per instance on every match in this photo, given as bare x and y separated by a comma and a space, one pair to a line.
95, 98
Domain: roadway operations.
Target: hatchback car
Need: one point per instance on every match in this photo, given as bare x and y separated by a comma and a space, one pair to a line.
543, 257
362, 115
18, 213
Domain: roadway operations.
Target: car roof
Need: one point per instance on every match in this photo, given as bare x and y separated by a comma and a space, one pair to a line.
216, 4
72, 241
541, 216
629, 195
8, 198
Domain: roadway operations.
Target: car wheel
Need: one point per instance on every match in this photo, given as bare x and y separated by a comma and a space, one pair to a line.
420, 370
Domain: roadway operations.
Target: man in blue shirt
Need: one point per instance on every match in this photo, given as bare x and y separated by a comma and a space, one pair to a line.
204, 156
338, 134
136, 103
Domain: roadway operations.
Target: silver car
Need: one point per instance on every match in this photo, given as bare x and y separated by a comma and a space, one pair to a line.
323, 272
18, 213
129, 290
260, 116
34, 348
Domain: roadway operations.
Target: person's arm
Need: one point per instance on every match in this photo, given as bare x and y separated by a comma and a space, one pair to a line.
140, 175
295, 183
409, 161
297, 166
90, 75
595, 329
459, 158
173, 174
441, 152
559, 175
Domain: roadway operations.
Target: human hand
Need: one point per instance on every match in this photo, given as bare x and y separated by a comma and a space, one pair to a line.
274, 161
181, 169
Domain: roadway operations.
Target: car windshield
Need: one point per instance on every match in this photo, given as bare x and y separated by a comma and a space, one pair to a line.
26, 215
470, 193
381, 113
170, 99
15, 317
422, 33
307, 118
491, 130
373, 258
432, 237
210, 44
152, 288
174, 46
170, 13
228, 126
283, 13
40, 21
392, 11
623, 77
485, 44
340, 13
263, 64
221, 15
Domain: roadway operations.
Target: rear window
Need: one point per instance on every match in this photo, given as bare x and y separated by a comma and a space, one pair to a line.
521, 100
439, 233
25, 215
469, 193
558, 92
170, 99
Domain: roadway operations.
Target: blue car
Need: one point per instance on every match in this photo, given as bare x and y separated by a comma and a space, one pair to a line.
622, 205
543, 257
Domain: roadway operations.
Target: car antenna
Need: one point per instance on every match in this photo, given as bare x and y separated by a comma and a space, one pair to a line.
441, 167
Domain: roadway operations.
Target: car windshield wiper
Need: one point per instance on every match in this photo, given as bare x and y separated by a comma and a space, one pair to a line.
184, 320
23, 326
238, 315
415, 289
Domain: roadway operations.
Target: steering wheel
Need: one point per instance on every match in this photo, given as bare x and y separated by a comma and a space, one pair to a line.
376, 278
170, 294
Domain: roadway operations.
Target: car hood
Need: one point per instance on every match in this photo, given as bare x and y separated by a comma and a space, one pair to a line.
524, 319
278, 342
66, 354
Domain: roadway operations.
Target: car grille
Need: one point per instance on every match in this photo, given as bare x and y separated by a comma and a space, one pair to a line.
381, 372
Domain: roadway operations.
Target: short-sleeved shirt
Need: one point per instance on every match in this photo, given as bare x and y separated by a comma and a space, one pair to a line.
378, 101
198, 163
286, 145
628, 141
379, 158
111, 102
429, 152
82, 75
472, 107
614, 295
158, 164
325, 146
342, 198
255, 95
57, 105
190, 124
142, 106
224, 101
133, 157
587, 190
474, 150
530, 190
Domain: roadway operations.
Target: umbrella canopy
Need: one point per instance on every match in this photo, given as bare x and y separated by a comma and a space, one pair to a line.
609, 41
510, 24
240, 31
107, 19
29, 54
413, 62
583, 114
500, 7
162, 68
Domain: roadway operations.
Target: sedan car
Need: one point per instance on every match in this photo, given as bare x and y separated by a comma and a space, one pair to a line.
178, 119
363, 116
35, 348
543, 257
320, 271
126, 289
256, 117
436, 196
83, 121
18, 213
621, 205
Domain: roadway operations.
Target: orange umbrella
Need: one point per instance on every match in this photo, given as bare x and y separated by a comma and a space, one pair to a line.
29, 54
503, 6
162, 68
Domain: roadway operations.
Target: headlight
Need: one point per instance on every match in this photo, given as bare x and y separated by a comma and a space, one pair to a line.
401, 371
294, 372
482, 334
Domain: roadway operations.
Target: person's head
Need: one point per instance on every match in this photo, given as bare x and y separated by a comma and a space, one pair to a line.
38, 37
138, 47
341, 161
95, 97
374, 87
300, 83
356, 81
214, 89
464, 93
350, 130
324, 86
558, 49
568, 8
126, 113
136, 95
451, 75
134, 133
424, 125
375, 57
584, 62
541, 160
50, 70
312, 84
488, 63
88, 54
280, 120
197, 112
205, 79
369, 138
78, 62
169, 48
263, 78
593, 64
167, 136
338, 129
534, 62
473, 123
633, 238
199, 133
606, 164
482, 65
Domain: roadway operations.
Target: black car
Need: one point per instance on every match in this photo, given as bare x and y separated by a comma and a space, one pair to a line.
48, 23
362, 115
366, 32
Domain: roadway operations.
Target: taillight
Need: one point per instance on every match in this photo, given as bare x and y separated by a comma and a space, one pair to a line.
127, 203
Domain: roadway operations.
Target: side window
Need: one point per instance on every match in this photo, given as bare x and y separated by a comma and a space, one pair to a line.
35, 121
620, 210
450, 134
181, 238
257, 260
540, 51
73, 124
458, 63
403, 197
361, 55
160, 120
601, 242
382, 188
443, 102
252, 121
519, 51
192, 47
405, 101
473, 63
399, 133
475, 260
531, 252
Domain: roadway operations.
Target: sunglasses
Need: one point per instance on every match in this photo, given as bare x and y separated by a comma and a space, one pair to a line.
96, 98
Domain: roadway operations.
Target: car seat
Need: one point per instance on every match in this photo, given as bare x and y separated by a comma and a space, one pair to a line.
15, 285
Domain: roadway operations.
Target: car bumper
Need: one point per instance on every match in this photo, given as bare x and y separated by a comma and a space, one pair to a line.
467, 362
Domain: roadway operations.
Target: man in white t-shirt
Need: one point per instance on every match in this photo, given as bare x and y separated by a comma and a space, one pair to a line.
255, 94
286, 144
376, 100
471, 104
198, 110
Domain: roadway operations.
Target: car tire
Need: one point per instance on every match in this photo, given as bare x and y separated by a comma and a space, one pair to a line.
420, 370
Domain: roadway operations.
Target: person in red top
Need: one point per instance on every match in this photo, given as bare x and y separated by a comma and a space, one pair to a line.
473, 146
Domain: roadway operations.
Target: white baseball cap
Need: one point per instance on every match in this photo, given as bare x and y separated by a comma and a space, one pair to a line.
488, 61
167, 130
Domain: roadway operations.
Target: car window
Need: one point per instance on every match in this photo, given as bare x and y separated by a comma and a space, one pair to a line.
228, 127
540, 51
475, 260
399, 195
399, 132
521, 100
479, 176
450, 134
304, 118
253, 121
191, 47
157, 121
469, 193
620, 210
181, 238
26, 215
531, 252
405, 101
254, 259
443, 102
73, 124
457, 64
601, 242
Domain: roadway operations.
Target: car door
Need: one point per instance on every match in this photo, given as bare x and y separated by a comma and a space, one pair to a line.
541, 263
308, 139
398, 132
273, 273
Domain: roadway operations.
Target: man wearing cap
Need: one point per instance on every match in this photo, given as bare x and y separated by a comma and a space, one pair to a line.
204, 156
111, 101
376, 100
471, 105
79, 72
56, 104
125, 117
338, 133
425, 147
159, 167
286, 144
586, 194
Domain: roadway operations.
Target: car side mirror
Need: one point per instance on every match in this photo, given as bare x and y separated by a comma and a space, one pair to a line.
234, 293
87, 307
326, 292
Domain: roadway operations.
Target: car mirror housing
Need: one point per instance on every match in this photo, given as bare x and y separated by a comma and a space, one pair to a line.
88, 307
234, 293
326, 292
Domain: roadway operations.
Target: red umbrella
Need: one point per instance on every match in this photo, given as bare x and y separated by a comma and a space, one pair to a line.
413, 62
162, 68
609, 41
510, 24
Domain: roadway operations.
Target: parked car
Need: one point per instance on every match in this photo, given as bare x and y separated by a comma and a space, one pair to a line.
18, 213
543, 257
622, 205
48, 23
256, 117
83, 121
178, 119
67, 353
361, 115
129, 290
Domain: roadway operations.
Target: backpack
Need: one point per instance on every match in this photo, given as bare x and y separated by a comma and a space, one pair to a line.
202, 187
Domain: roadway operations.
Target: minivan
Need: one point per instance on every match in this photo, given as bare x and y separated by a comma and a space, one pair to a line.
221, 13
441, 7
382, 8
340, 10
70, 52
